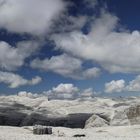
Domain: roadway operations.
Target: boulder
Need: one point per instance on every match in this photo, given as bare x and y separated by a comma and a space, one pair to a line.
96, 121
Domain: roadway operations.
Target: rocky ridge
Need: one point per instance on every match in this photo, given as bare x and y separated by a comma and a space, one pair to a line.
96, 112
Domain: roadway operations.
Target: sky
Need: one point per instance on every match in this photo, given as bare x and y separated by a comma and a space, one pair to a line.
70, 49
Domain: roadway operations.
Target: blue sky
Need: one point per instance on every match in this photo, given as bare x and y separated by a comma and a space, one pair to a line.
90, 47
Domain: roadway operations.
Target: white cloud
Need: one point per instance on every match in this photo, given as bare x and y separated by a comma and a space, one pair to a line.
63, 91
115, 86
66, 66
68, 91
91, 72
13, 57
29, 16
134, 85
62, 64
120, 86
87, 93
65, 88
15, 80
35, 80
27, 94
104, 44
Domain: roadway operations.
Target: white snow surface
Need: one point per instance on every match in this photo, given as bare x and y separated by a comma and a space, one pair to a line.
60, 133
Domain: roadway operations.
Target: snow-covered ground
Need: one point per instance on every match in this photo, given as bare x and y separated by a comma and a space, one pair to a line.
60, 133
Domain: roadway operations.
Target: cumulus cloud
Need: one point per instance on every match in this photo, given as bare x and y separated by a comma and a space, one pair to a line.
62, 64
15, 80
87, 93
13, 57
65, 88
103, 44
120, 86
63, 91
35, 80
68, 91
29, 16
27, 94
134, 85
115, 86
66, 66
91, 72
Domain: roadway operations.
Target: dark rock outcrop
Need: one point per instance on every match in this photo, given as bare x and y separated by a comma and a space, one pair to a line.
72, 120
13, 116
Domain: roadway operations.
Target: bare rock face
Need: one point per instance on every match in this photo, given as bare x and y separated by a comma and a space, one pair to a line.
120, 119
133, 114
128, 116
11, 115
96, 121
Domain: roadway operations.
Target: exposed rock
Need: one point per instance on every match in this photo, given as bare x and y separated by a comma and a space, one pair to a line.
120, 104
133, 114
71, 120
105, 116
41, 130
96, 121
127, 116
11, 117
77, 120
120, 118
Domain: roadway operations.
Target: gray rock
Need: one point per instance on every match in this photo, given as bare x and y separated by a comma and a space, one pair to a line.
41, 130
128, 116
120, 119
71, 120
96, 121
133, 114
